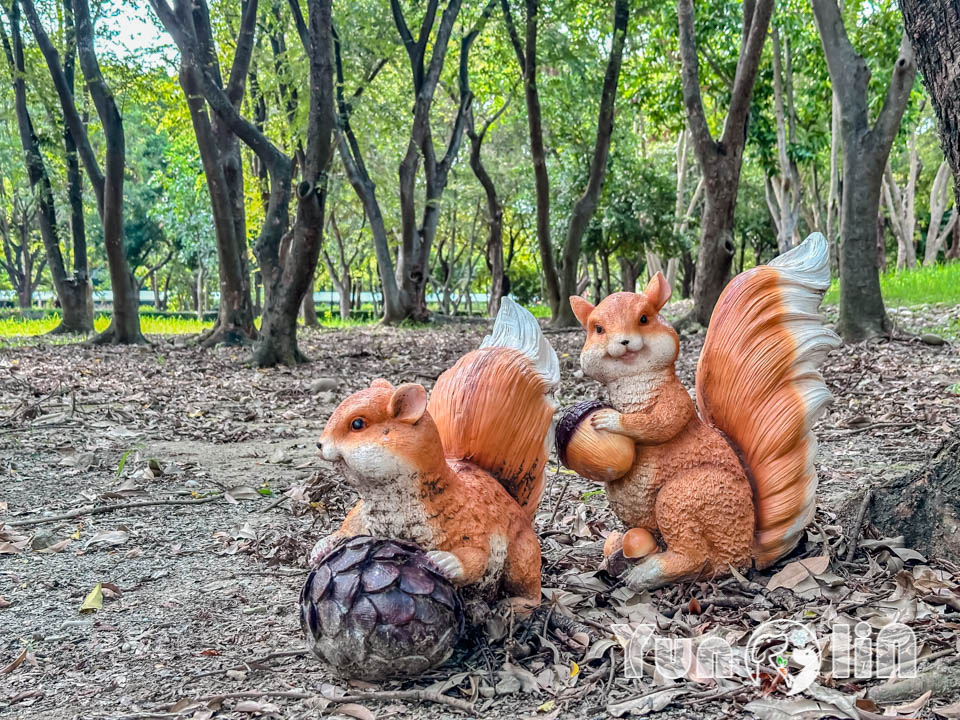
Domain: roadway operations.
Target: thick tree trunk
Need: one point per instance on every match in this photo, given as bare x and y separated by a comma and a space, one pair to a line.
220, 155
933, 27
125, 322
922, 506
954, 252
77, 302
586, 204
865, 151
720, 160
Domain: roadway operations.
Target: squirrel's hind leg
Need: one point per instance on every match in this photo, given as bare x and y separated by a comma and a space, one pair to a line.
706, 519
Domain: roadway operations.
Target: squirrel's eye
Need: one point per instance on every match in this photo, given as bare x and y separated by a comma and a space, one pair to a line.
598, 329
643, 319
358, 424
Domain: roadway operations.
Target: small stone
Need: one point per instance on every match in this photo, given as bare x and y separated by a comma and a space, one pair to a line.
322, 384
932, 339
42, 540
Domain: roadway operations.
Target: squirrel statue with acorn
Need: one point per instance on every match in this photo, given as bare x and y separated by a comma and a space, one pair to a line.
734, 484
462, 475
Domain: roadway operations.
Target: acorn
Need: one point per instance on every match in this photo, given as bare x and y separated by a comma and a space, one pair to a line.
375, 608
638, 543
595, 454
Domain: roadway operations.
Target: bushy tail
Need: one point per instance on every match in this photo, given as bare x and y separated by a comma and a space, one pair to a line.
494, 407
759, 382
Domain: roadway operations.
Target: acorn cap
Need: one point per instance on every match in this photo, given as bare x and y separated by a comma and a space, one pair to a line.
570, 421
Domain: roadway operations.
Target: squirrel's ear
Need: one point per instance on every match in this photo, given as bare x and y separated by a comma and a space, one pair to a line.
408, 403
658, 291
581, 308
381, 383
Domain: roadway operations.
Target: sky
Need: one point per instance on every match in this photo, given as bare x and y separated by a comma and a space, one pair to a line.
138, 33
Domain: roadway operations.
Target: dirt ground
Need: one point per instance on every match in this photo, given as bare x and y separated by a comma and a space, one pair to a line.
199, 613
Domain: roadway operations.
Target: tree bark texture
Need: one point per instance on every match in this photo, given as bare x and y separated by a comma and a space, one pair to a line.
77, 314
125, 322
866, 150
933, 27
720, 160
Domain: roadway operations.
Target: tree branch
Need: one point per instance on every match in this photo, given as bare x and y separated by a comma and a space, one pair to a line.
241, 59
690, 78
898, 94
755, 29
514, 36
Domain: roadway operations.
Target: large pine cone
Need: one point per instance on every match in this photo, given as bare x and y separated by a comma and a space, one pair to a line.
375, 608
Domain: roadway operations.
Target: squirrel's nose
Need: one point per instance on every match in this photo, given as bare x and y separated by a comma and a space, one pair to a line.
624, 342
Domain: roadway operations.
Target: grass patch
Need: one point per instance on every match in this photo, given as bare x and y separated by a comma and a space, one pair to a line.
17, 326
923, 286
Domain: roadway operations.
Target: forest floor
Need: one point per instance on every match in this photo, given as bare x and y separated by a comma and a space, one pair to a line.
199, 613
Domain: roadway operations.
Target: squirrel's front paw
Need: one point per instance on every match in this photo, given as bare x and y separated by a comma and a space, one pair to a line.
608, 420
446, 563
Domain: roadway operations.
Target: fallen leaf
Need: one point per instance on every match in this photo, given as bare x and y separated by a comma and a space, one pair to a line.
252, 706
950, 712
647, 704
108, 537
769, 709
356, 710
914, 706
93, 601
4, 603
56, 547
15, 664
241, 492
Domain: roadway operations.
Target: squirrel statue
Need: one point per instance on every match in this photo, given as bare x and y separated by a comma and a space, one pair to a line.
461, 476
737, 483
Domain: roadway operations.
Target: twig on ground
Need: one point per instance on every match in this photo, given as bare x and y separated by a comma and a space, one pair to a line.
80, 512
858, 525
247, 665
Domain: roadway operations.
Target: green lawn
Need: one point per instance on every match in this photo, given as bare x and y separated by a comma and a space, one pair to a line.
17, 326
923, 286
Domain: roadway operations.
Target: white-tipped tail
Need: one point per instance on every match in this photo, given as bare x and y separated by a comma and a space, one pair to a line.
759, 382
516, 328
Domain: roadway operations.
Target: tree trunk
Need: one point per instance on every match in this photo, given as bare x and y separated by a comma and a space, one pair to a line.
689, 275
77, 303
125, 322
933, 27
74, 318
954, 252
865, 151
527, 56
720, 160
309, 310
494, 215
938, 206
922, 506
220, 155
395, 308
586, 204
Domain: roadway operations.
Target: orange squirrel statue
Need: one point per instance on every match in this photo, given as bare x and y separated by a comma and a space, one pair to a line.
735, 483
461, 476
